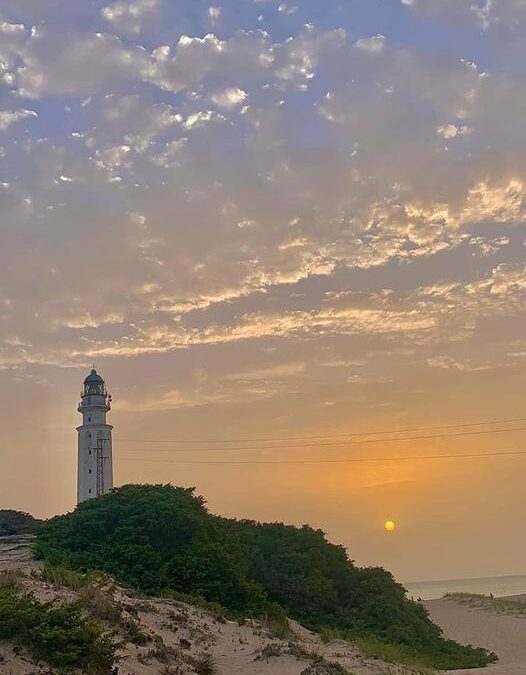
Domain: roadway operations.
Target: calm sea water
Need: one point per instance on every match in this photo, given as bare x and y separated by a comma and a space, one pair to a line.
499, 586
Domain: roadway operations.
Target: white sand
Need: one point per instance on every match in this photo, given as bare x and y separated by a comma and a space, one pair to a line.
187, 631
503, 634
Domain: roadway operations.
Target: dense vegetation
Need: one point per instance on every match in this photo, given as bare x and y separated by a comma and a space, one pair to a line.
161, 539
17, 522
60, 635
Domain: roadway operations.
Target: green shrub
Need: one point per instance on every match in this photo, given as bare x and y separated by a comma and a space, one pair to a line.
450, 655
277, 626
17, 522
59, 634
58, 575
330, 634
162, 540
10, 579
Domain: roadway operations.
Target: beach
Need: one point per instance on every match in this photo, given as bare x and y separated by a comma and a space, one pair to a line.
501, 633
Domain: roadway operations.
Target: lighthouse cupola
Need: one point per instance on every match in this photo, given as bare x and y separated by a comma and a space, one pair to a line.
95, 470
94, 397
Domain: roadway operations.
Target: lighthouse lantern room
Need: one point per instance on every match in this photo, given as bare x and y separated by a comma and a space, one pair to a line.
95, 466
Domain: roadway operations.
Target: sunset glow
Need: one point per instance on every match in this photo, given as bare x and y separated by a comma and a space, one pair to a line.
290, 235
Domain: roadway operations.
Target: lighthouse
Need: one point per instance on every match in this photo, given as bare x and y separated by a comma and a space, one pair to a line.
95, 467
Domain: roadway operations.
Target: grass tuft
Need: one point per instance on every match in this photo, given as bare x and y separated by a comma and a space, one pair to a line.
489, 603
58, 575
321, 666
205, 664
277, 626
10, 579
371, 648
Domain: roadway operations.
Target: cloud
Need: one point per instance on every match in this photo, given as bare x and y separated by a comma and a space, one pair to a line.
276, 372
450, 363
129, 17
214, 13
373, 45
216, 179
503, 17
230, 98
10, 117
84, 64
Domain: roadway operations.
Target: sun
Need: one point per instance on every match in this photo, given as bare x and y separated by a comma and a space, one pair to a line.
390, 525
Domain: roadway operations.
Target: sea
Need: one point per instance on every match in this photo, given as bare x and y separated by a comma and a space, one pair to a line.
497, 586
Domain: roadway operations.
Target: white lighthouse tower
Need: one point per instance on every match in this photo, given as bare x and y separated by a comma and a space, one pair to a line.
95, 467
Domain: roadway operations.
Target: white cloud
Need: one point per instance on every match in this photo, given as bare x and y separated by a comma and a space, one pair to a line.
289, 10
8, 117
373, 45
9, 28
232, 247
507, 17
130, 16
83, 64
452, 131
277, 372
229, 98
214, 13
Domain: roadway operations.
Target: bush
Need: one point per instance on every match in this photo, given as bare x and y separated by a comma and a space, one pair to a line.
100, 605
451, 655
278, 627
63, 576
322, 667
17, 522
205, 664
59, 634
132, 632
162, 540
10, 579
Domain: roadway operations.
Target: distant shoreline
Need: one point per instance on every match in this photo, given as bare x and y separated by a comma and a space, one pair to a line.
497, 586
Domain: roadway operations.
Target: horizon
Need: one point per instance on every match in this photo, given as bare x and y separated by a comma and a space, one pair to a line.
274, 220
411, 581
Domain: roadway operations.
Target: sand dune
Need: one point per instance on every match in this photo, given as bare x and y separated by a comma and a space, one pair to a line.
503, 634
250, 649
178, 632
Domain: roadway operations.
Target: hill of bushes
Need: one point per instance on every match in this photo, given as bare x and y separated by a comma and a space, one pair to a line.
162, 540
17, 522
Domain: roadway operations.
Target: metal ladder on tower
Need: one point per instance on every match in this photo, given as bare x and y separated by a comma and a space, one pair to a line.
100, 466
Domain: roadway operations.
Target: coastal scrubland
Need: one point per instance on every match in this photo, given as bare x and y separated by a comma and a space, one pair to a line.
161, 540
17, 522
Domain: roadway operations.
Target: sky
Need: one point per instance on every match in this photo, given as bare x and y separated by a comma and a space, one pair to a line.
273, 220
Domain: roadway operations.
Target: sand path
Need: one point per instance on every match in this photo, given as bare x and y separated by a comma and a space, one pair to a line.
503, 634
15, 553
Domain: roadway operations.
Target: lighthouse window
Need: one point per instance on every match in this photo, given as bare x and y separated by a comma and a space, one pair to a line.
89, 491
89, 419
89, 470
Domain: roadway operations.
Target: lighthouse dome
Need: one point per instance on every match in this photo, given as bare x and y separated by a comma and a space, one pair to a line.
93, 378
94, 385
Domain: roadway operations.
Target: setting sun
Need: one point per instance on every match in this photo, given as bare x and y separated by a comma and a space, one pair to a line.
390, 526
